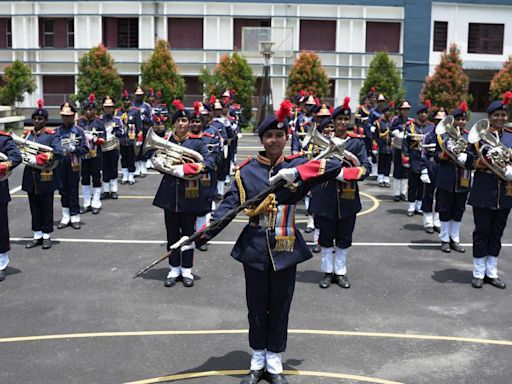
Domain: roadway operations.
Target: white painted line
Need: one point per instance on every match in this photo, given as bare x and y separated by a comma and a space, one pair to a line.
231, 242
14, 190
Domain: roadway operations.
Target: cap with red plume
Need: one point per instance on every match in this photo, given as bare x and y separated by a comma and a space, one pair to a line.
279, 121
343, 109
126, 96
178, 104
158, 94
212, 99
180, 111
40, 111
464, 106
284, 110
90, 102
197, 109
502, 104
392, 103
462, 111
372, 93
428, 103
233, 91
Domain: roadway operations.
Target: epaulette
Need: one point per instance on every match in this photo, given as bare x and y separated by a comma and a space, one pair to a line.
208, 134
3, 133
291, 157
244, 163
117, 110
50, 131
507, 129
26, 132
355, 135
194, 136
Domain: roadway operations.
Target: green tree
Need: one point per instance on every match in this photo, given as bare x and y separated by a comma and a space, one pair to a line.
232, 72
97, 74
17, 80
502, 81
161, 73
309, 75
385, 77
448, 85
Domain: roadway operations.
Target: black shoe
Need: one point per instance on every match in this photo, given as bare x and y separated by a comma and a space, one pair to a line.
85, 210
62, 225
47, 243
203, 247
396, 198
253, 377
416, 212
437, 229
317, 248
403, 198
95, 211
326, 281
382, 185
34, 243
277, 378
387, 185
2, 275
170, 282
477, 282
114, 195
123, 182
456, 247
341, 280
76, 225
429, 230
188, 282
309, 229
496, 282
142, 175
104, 195
131, 182
445, 247
410, 213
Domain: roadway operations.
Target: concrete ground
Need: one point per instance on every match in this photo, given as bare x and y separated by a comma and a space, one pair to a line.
74, 314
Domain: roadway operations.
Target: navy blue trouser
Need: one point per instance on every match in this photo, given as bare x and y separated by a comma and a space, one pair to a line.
489, 227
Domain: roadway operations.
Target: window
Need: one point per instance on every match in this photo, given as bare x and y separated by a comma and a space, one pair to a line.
120, 32
194, 89
382, 37
185, 33
130, 82
56, 33
481, 95
440, 35
5, 33
318, 35
57, 89
238, 26
486, 38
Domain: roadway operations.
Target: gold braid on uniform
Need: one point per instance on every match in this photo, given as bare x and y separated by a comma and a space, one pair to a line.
268, 205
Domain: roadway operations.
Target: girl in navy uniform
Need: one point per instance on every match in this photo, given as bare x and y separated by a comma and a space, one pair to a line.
9, 149
400, 167
41, 184
385, 150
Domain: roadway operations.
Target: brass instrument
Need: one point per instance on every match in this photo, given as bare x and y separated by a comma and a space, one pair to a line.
3, 157
333, 146
91, 135
68, 141
111, 141
168, 154
397, 140
414, 136
30, 149
497, 156
428, 147
457, 144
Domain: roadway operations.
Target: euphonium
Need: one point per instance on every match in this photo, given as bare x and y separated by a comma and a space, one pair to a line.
457, 144
168, 154
493, 153
30, 149
3, 157
333, 146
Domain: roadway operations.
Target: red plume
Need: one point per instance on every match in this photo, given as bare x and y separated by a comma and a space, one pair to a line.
507, 97
159, 94
284, 110
331, 110
197, 105
92, 98
317, 102
373, 89
125, 93
428, 103
151, 90
212, 99
392, 103
178, 104
464, 106
346, 102
302, 93
40, 103
233, 92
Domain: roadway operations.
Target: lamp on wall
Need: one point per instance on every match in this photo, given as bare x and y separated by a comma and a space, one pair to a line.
266, 104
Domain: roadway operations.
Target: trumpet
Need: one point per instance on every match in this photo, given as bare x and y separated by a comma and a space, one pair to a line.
492, 153
168, 154
456, 142
333, 146
30, 149
3, 157
67, 142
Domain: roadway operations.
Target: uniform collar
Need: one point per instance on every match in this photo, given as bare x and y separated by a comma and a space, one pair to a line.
178, 139
262, 159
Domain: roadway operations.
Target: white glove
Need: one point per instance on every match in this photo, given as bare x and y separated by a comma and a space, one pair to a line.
157, 161
508, 172
462, 158
424, 176
287, 174
395, 132
239, 135
450, 145
407, 165
177, 245
340, 175
177, 170
375, 152
225, 151
372, 129
71, 147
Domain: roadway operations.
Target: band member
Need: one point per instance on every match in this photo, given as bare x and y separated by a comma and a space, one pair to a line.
453, 179
270, 246
377, 111
337, 203
10, 157
491, 196
132, 123
180, 197
400, 168
146, 121
415, 132
110, 150
74, 145
219, 123
39, 181
384, 146
362, 120
91, 162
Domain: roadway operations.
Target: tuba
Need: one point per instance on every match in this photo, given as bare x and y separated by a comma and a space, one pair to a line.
168, 154
30, 149
458, 143
3, 157
497, 156
324, 147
